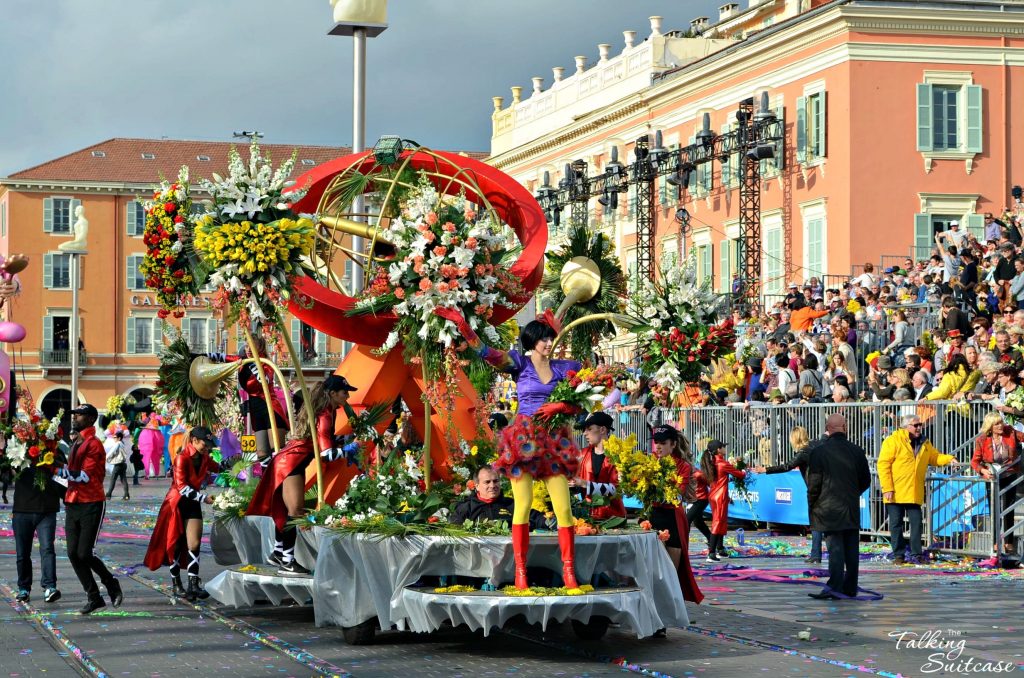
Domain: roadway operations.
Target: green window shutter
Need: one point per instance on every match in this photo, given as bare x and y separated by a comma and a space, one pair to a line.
723, 266
185, 333
815, 255
129, 217
345, 348
211, 335
47, 333
631, 201
130, 336
780, 146
321, 343
976, 226
924, 117
697, 176
130, 271
48, 270
974, 119
709, 270
820, 126
47, 215
663, 189
801, 129
296, 333
922, 235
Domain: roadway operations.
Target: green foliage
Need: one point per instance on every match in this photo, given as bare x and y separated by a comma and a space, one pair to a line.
173, 384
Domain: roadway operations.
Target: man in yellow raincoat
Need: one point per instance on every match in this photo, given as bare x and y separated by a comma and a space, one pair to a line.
902, 466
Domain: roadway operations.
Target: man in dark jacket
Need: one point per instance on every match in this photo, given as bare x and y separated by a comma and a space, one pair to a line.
35, 513
836, 477
487, 503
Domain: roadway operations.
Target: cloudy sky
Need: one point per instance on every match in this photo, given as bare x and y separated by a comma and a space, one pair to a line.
76, 72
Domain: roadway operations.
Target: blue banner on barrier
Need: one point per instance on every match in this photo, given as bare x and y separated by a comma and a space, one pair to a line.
780, 498
955, 504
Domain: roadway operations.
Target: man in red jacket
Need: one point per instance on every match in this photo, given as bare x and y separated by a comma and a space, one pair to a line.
84, 507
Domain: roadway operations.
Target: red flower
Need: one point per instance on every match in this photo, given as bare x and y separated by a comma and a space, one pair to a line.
179, 314
179, 273
162, 313
33, 452
178, 219
170, 207
169, 260
433, 519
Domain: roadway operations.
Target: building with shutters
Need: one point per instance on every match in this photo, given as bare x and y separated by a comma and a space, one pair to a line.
120, 328
898, 119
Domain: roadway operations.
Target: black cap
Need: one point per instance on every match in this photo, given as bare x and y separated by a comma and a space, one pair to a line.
204, 434
664, 433
715, 445
86, 409
336, 382
598, 419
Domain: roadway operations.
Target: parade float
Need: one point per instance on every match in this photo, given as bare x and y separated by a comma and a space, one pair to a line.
454, 246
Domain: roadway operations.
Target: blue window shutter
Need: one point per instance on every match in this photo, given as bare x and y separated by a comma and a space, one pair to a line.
924, 117
922, 235
975, 139
129, 343
47, 333
130, 271
976, 226
801, 129
48, 270
47, 215
296, 333
820, 125
321, 343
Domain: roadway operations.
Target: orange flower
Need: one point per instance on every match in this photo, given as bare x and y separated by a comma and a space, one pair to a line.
645, 525
663, 535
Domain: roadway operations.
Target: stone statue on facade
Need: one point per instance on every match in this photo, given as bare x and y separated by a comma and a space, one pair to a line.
81, 231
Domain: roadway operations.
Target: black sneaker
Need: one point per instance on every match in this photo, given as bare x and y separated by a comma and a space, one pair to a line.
292, 568
723, 554
51, 595
23, 596
712, 558
91, 606
114, 591
275, 559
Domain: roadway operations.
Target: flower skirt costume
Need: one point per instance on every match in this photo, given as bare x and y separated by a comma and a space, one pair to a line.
528, 447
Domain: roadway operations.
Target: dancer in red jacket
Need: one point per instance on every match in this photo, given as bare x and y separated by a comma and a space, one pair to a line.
179, 525
716, 470
668, 442
596, 476
84, 507
281, 491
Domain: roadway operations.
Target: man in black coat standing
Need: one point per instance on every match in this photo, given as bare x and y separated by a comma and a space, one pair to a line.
838, 474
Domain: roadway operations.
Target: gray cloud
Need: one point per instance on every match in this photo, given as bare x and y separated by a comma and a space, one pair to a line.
80, 71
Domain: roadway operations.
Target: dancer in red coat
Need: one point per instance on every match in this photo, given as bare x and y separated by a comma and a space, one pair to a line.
281, 492
668, 442
596, 476
716, 470
179, 525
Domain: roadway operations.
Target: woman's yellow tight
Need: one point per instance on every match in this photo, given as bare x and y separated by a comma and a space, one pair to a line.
558, 490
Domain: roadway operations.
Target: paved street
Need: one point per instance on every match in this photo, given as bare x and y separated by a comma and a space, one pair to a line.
743, 627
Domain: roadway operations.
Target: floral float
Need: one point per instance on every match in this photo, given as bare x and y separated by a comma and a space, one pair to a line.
168, 266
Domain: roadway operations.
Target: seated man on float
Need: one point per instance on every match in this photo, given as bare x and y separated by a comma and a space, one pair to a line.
488, 503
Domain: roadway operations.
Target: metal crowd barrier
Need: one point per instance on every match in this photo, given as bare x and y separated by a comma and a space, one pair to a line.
959, 510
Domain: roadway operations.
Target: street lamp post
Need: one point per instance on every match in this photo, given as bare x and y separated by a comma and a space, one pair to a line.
360, 19
75, 330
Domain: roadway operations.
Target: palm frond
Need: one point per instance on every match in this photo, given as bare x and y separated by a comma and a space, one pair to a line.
173, 383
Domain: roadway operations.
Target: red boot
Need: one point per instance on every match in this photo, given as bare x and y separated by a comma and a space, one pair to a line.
567, 543
520, 546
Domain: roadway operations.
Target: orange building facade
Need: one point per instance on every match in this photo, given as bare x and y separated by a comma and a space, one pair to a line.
898, 119
120, 331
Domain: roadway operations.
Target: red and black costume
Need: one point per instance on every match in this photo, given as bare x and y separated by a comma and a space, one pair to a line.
718, 495
84, 507
256, 404
695, 514
602, 479
183, 502
673, 518
292, 460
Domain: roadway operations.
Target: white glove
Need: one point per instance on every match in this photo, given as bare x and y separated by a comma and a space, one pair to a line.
331, 454
601, 489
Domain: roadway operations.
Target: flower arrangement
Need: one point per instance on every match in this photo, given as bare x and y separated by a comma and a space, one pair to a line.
167, 265
580, 391
239, 473
650, 479
252, 240
232, 503
31, 442
116, 405
396, 490
1014, 399
678, 333
447, 256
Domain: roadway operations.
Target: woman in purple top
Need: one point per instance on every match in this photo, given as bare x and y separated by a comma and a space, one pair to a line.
527, 449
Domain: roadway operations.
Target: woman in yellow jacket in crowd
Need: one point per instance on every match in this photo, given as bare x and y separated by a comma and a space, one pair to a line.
902, 466
958, 377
